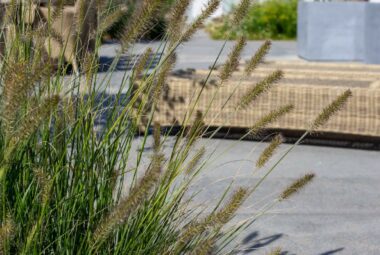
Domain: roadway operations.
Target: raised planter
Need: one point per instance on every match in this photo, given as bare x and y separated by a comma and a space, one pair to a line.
331, 31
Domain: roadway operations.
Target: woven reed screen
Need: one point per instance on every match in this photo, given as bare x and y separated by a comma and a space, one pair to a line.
361, 116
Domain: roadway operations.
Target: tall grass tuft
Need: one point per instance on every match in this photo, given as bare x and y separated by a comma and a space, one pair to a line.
78, 174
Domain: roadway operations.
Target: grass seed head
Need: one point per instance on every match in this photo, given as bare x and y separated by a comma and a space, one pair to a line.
296, 186
143, 62
7, 231
131, 203
276, 251
34, 118
214, 220
229, 210
241, 12
232, 62
139, 21
44, 183
156, 137
193, 163
330, 110
269, 118
269, 151
260, 88
177, 20
162, 77
258, 58
196, 129
211, 7
107, 21
204, 247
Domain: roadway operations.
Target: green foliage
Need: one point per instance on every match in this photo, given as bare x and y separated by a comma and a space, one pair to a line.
273, 19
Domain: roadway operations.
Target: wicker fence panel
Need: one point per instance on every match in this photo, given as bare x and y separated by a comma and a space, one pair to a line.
361, 116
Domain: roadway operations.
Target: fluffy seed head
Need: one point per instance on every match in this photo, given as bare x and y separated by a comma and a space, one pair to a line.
156, 137
276, 251
296, 186
258, 57
229, 210
241, 11
260, 88
212, 6
128, 205
7, 231
216, 219
34, 118
139, 21
143, 62
330, 110
177, 20
19, 80
196, 129
232, 62
110, 19
44, 183
195, 160
269, 118
204, 247
269, 151
162, 77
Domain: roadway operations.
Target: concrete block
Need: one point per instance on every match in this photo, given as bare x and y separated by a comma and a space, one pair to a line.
331, 31
372, 34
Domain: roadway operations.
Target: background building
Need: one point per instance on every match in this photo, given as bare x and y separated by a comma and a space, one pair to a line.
197, 5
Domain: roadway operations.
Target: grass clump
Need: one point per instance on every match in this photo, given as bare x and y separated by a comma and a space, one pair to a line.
70, 180
272, 19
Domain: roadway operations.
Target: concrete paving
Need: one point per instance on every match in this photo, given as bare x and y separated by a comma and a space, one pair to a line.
339, 213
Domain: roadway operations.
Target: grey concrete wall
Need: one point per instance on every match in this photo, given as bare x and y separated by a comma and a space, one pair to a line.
331, 31
372, 34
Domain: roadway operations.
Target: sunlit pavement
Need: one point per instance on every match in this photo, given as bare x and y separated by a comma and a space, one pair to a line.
339, 213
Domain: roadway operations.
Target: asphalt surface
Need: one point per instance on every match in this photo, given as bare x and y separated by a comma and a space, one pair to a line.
339, 213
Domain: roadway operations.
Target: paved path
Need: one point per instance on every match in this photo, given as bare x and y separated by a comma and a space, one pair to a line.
339, 213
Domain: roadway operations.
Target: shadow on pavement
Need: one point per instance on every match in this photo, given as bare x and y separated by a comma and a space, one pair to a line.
126, 62
252, 243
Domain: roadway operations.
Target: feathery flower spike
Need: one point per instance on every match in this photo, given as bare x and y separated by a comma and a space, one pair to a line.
296, 186
269, 151
195, 160
212, 6
156, 137
269, 118
241, 11
7, 230
143, 62
330, 110
260, 88
129, 204
258, 57
176, 20
276, 251
216, 219
232, 62
139, 21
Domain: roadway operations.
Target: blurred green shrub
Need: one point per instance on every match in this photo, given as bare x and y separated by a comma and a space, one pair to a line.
273, 19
